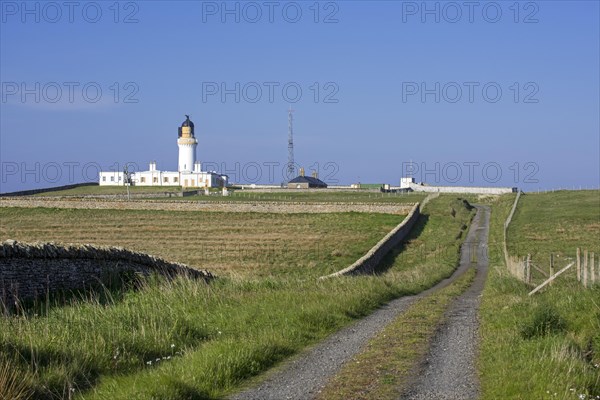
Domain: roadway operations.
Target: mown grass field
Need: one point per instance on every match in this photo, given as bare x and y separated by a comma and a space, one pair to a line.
236, 243
546, 346
101, 190
331, 195
327, 196
187, 339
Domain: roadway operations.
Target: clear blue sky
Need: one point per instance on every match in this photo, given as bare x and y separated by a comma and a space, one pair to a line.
375, 61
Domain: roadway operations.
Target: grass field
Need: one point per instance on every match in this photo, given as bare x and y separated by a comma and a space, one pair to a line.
239, 243
555, 223
546, 346
101, 190
327, 196
331, 195
186, 339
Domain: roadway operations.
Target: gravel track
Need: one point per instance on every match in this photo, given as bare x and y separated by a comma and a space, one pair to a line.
305, 375
449, 371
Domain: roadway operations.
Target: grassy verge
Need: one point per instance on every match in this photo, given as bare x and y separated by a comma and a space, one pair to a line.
546, 346
383, 368
186, 339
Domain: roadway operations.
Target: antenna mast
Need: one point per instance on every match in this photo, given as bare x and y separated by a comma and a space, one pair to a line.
290, 166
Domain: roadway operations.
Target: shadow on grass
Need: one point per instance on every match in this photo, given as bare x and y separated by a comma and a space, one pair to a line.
390, 259
108, 290
81, 373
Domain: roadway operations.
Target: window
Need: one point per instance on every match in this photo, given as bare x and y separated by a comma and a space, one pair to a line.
176, 179
103, 179
143, 179
112, 178
166, 179
155, 179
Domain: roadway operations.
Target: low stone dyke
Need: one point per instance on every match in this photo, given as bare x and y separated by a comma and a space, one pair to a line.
367, 263
31, 270
209, 206
45, 190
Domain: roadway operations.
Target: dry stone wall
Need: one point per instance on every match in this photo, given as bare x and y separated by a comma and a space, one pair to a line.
367, 263
45, 190
28, 271
214, 206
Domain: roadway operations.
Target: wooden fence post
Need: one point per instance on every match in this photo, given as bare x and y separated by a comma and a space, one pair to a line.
528, 269
593, 268
579, 264
585, 268
551, 266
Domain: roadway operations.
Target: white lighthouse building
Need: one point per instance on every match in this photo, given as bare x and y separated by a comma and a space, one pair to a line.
189, 173
187, 143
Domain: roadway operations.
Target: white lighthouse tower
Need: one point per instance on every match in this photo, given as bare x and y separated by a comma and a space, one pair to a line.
188, 175
187, 146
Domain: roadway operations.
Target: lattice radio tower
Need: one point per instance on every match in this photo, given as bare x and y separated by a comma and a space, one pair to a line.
290, 166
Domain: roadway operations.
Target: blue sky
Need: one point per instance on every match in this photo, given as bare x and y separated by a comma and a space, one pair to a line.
500, 94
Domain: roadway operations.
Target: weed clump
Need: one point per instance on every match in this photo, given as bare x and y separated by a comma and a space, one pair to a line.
545, 321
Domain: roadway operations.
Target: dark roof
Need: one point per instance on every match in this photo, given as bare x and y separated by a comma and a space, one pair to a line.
187, 122
308, 179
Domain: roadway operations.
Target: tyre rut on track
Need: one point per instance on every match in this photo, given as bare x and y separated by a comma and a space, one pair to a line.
449, 372
306, 374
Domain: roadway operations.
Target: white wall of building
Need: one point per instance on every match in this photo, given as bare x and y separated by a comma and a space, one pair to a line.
409, 183
187, 155
111, 178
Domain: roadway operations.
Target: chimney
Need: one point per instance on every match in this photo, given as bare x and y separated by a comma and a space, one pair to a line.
302, 171
315, 174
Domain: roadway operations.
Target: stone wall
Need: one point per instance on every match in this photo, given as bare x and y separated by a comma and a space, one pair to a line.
214, 206
132, 195
28, 271
514, 264
51, 189
367, 263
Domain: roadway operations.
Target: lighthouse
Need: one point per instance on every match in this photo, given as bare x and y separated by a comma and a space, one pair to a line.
187, 143
189, 172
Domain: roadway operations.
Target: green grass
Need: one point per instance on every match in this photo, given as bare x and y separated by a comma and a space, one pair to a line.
555, 223
546, 346
321, 195
314, 196
389, 360
223, 333
102, 190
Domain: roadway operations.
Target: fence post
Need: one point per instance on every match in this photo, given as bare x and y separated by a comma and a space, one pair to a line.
551, 266
528, 266
585, 268
593, 269
578, 264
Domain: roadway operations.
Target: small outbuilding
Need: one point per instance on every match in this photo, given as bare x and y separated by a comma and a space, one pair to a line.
306, 182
